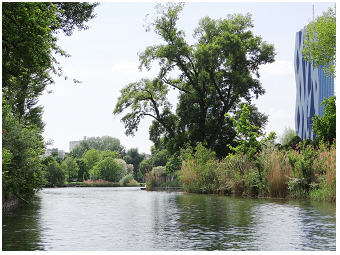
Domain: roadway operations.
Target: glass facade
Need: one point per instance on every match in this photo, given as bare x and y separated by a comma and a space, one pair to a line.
312, 87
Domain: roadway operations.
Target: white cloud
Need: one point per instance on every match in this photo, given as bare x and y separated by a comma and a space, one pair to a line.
279, 67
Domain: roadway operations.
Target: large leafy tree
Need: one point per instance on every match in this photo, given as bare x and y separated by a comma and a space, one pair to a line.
320, 42
215, 74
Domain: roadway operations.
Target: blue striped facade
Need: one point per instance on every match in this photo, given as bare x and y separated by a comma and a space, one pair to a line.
312, 87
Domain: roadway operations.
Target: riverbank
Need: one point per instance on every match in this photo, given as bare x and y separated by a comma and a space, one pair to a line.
9, 202
304, 173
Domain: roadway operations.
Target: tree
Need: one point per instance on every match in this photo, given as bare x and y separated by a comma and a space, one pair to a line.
83, 173
109, 170
70, 168
215, 74
134, 157
99, 143
108, 153
29, 47
73, 14
55, 176
325, 126
22, 148
320, 42
287, 137
145, 166
91, 158
159, 158
248, 142
123, 167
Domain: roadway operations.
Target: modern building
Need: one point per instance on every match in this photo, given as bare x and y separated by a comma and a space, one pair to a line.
312, 87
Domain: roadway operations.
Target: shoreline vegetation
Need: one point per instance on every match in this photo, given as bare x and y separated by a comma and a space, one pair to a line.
302, 173
305, 173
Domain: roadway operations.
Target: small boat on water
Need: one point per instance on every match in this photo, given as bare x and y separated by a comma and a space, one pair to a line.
143, 188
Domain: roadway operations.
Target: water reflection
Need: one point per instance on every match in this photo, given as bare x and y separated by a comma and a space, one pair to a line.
21, 229
130, 219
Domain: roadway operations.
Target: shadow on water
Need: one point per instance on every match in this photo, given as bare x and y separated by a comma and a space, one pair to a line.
20, 227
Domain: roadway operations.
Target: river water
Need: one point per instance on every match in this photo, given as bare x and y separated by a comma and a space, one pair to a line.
130, 219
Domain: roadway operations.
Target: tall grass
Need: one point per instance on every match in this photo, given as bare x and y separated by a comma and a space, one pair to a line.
306, 173
279, 171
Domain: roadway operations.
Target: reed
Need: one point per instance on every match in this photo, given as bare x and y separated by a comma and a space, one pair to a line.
279, 170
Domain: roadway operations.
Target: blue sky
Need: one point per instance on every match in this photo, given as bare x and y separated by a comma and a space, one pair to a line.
105, 59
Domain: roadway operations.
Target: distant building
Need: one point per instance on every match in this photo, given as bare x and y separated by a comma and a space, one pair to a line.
75, 143
49, 152
312, 87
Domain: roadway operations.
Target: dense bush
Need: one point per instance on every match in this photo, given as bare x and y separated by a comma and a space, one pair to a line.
307, 173
127, 180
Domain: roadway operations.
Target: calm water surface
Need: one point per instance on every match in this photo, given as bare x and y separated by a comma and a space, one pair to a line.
113, 219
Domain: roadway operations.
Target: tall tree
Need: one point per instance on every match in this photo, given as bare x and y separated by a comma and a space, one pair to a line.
29, 47
320, 42
215, 75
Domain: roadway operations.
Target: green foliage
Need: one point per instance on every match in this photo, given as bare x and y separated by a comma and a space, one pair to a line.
198, 170
22, 147
91, 158
29, 46
320, 42
55, 176
110, 170
83, 173
94, 173
73, 15
145, 166
123, 167
126, 180
70, 167
287, 136
174, 163
325, 126
215, 75
159, 158
104, 143
108, 153
135, 158
247, 135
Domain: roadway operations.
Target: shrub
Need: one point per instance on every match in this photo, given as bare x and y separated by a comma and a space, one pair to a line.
126, 180
198, 170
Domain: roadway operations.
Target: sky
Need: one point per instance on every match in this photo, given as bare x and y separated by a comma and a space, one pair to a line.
105, 58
